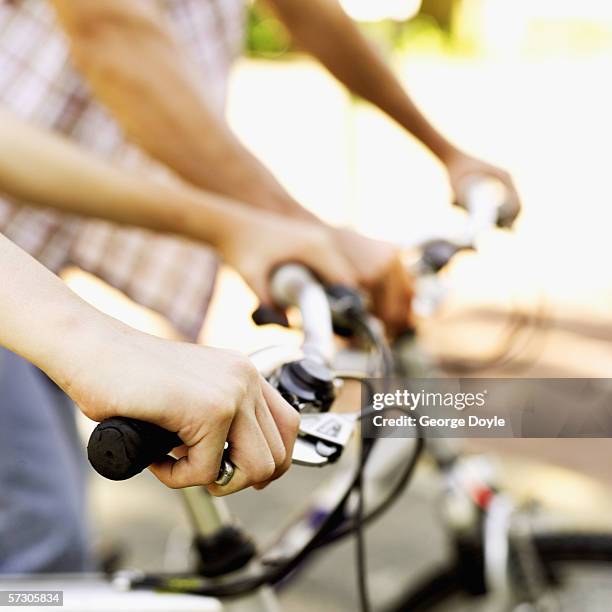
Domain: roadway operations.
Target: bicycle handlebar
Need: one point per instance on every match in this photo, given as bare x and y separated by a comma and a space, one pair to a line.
120, 448
489, 204
294, 285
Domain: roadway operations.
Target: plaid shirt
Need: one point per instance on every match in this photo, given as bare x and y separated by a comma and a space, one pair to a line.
37, 82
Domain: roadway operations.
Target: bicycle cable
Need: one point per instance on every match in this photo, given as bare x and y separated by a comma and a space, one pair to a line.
383, 506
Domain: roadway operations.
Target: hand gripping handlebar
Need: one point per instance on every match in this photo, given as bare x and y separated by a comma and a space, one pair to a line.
120, 448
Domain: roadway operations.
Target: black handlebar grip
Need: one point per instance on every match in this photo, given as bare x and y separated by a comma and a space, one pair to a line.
347, 308
507, 214
120, 448
266, 315
353, 297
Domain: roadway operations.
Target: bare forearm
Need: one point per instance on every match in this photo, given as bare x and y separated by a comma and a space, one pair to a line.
128, 56
46, 170
323, 29
40, 318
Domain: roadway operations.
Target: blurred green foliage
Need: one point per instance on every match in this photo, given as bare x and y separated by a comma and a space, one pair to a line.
442, 12
449, 27
422, 33
266, 35
429, 31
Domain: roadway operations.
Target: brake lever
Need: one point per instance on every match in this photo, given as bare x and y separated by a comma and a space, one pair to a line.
323, 437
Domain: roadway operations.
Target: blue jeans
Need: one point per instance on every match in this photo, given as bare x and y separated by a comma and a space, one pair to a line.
43, 525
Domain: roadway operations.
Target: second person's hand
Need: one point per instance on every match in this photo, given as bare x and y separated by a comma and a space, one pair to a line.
380, 271
463, 169
265, 241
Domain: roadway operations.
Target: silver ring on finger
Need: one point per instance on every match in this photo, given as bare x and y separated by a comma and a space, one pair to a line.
226, 473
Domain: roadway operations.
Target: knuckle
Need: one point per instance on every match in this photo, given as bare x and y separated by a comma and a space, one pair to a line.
233, 356
251, 378
324, 243
280, 456
226, 412
293, 418
243, 369
208, 476
314, 239
284, 468
262, 471
293, 422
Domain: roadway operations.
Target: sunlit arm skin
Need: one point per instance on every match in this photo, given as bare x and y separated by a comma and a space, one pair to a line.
127, 54
47, 170
323, 29
206, 395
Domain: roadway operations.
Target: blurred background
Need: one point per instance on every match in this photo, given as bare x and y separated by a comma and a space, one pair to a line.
524, 85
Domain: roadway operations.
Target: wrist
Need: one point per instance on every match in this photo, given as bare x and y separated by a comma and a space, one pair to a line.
445, 151
409, 117
75, 344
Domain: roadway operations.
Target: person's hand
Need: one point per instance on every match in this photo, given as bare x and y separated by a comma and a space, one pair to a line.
382, 274
268, 240
206, 395
462, 169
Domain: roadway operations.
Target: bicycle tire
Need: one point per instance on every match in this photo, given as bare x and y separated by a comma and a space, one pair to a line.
554, 550
574, 547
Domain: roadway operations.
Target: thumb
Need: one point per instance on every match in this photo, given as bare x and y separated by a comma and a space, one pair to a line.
259, 282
